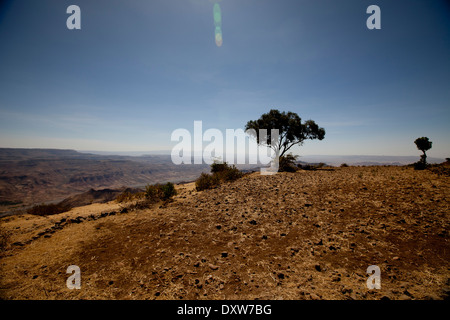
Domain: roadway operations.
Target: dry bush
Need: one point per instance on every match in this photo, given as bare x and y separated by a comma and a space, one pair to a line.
153, 194
48, 209
220, 172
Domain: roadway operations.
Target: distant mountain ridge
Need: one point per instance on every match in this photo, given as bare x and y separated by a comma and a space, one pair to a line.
41, 175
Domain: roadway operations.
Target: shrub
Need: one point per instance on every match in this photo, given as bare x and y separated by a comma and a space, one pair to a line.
287, 163
153, 192
420, 165
207, 181
220, 172
48, 209
168, 190
217, 167
124, 197
321, 165
344, 165
306, 167
159, 191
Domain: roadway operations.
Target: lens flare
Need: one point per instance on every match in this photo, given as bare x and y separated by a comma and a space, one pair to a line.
218, 37
217, 15
218, 24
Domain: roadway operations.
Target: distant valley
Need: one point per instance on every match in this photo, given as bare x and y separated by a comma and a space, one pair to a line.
30, 176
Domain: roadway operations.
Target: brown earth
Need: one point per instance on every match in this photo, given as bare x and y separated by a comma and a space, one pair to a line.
304, 235
32, 176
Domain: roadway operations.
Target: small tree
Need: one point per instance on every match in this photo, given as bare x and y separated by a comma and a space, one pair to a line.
291, 130
423, 144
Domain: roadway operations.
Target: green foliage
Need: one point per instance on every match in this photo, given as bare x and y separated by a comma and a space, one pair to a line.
168, 190
220, 172
153, 194
206, 181
423, 144
291, 130
287, 163
159, 191
217, 167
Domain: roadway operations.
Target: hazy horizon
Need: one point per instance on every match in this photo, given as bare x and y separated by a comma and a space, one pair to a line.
136, 71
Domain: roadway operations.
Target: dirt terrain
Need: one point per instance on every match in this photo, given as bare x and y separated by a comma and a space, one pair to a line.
304, 235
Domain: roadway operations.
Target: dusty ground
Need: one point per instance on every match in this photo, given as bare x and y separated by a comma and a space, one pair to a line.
304, 235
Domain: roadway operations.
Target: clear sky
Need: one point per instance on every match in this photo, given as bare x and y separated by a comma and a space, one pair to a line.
137, 70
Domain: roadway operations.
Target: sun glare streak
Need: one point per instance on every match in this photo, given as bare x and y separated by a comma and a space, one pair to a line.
218, 24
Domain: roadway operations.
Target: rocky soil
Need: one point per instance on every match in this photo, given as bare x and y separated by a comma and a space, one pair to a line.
304, 235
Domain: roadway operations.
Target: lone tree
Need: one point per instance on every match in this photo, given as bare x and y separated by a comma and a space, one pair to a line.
291, 130
423, 144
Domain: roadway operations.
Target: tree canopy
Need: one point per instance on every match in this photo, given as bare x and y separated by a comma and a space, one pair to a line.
423, 144
291, 130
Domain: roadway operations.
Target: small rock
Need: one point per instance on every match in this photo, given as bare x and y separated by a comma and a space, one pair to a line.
318, 268
213, 267
336, 279
404, 297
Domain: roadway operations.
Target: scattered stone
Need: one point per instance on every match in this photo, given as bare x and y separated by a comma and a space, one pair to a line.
318, 268
336, 279
213, 267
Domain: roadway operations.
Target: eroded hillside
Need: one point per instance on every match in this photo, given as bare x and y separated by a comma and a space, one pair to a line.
304, 235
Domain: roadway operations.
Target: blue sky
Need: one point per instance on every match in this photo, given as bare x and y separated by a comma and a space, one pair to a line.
137, 70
